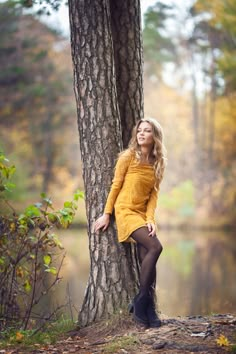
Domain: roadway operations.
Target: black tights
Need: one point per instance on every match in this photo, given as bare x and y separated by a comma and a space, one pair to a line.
149, 250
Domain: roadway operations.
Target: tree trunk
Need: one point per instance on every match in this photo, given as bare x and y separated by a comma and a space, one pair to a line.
197, 152
113, 275
127, 43
48, 152
211, 133
212, 115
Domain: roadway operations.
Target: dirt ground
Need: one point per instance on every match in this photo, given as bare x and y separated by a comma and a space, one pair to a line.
193, 334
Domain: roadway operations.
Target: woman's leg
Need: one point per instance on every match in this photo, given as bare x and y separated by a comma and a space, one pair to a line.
153, 249
149, 249
141, 255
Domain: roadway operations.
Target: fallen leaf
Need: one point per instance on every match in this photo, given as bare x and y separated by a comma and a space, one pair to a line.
68, 339
19, 336
222, 341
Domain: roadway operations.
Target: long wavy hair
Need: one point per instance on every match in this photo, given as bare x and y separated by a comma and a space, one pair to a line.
158, 152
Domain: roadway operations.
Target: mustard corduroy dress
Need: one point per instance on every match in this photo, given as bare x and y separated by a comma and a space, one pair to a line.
132, 195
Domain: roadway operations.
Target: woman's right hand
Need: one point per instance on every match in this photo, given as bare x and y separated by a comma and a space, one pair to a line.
102, 222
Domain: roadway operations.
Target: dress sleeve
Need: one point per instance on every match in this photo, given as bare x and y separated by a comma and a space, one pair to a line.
121, 168
151, 206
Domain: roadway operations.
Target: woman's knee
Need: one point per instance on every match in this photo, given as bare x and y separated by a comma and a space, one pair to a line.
157, 248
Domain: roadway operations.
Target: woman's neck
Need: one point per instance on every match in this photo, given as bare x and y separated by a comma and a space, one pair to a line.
145, 153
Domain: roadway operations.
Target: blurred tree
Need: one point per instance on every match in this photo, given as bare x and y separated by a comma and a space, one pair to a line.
159, 47
221, 19
216, 33
35, 84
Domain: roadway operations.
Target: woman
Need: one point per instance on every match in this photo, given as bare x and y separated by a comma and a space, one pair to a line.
138, 173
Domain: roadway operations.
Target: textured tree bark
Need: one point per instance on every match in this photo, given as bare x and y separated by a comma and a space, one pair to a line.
113, 275
128, 53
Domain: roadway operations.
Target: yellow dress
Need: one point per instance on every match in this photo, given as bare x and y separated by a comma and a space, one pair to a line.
132, 195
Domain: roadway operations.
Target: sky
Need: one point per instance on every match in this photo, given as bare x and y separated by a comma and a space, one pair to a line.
60, 19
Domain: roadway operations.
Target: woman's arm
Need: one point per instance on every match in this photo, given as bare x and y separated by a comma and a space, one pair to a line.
117, 182
151, 206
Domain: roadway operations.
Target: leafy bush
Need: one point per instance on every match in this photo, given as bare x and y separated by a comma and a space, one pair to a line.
30, 254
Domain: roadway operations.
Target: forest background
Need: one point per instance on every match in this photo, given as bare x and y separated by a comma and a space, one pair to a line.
189, 87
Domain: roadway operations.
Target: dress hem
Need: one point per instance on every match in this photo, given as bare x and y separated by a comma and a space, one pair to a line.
129, 238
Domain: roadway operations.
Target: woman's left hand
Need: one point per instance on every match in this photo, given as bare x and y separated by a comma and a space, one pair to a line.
152, 229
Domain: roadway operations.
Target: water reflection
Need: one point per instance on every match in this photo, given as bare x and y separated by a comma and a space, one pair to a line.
196, 272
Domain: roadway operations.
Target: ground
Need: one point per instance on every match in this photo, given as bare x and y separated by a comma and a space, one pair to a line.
121, 335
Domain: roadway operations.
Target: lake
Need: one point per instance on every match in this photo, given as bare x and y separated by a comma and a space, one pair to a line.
196, 273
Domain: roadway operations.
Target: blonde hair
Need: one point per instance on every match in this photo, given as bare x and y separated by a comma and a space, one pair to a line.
158, 152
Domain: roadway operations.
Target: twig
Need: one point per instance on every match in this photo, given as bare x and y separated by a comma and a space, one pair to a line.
10, 206
75, 308
34, 285
53, 283
48, 318
69, 300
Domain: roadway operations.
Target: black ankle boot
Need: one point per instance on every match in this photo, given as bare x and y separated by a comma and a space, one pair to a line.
153, 319
140, 305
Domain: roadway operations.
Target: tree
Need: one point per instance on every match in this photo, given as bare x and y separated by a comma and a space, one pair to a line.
128, 60
159, 47
36, 96
103, 42
215, 37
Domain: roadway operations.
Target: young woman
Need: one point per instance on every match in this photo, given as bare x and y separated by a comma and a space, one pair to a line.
134, 191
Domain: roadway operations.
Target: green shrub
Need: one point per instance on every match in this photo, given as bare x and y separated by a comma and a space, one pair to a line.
31, 254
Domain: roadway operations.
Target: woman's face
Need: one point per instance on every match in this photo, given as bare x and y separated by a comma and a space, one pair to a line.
144, 134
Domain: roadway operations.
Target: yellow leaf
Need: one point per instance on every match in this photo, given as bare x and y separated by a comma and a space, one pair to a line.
47, 259
12, 226
27, 285
222, 341
19, 336
20, 272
